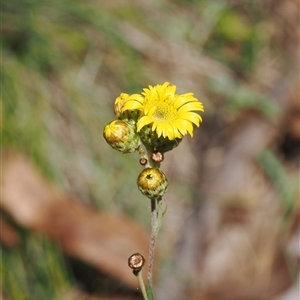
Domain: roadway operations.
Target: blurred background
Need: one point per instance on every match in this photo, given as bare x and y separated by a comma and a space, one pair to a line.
71, 214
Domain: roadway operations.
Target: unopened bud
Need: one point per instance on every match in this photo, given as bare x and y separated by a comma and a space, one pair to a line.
119, 103
122, 136
152, 183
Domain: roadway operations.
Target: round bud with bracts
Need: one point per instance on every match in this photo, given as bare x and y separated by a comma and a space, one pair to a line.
155, 143
136, 262
152, 183
121, 135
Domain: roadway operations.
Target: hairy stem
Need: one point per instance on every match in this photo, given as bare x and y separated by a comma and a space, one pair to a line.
152, 240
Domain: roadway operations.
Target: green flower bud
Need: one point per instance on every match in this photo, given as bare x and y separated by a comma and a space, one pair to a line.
152, 183
122, 136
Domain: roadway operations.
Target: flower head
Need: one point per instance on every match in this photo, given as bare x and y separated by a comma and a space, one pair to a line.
168, 114
121, 135
152, 182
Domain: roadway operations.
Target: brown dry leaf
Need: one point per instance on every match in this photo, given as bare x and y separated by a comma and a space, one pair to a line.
75, 294
2, 297
8, 235
101, 239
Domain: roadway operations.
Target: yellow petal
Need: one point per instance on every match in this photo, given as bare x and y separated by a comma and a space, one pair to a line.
185, 126
132, 104
183, 99
169, 132
143, 121
171, 89
159, 129
192, 117
190, 106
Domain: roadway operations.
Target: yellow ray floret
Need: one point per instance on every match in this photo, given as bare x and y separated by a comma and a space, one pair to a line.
169, 115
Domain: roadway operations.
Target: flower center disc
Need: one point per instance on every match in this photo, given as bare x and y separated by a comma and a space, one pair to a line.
164, 113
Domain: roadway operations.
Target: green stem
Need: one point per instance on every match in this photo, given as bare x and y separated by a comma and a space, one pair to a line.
149, 291
157, 213
142, 285
152, 240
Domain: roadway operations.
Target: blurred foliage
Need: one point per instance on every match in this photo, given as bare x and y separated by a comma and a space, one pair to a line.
236, 41
275, 171
64, 62
240, 98
35, 270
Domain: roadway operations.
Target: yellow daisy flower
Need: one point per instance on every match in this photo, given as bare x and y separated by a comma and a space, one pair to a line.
170, 114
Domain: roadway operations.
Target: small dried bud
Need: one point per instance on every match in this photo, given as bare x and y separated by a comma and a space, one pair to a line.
136, 262
152, 183
143, 161
122, 136
157, 156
